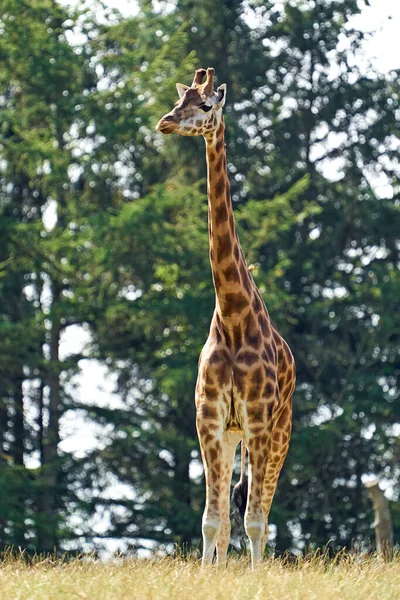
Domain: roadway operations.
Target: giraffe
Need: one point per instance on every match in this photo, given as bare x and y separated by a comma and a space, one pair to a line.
246, 372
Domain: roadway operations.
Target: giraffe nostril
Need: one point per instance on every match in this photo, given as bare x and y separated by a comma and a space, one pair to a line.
169, 118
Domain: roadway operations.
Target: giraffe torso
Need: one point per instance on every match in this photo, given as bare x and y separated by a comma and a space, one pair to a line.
246, 372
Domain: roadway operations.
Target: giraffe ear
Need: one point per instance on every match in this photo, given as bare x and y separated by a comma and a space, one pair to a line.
221, 91
181, 89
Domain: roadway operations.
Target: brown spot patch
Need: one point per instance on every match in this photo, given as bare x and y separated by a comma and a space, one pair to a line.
211, 392
237, 337
246, 282
289, 376
224, 373
257, 378
217, 281
211, 156
239, 379
277, 436
269, 390
231, 273
254, 394
213, 454
286, 349
256, 413
214, 331
214, 475
256, 429
208, 378
257, 305
276, 337
218, 356
221, 213
224, 246
264, 326
284, 418
234, 303
220, 186
270, 357
249, 358
220, 162
260, 461
253, 334
219, 145
208, 438
203, 430
256, 384
269, 372
206, 411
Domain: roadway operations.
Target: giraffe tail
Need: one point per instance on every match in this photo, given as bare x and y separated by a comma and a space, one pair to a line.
239, 492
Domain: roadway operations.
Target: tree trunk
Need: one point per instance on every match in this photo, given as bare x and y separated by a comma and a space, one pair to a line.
18, 425
50, 438
17, 453
383, 520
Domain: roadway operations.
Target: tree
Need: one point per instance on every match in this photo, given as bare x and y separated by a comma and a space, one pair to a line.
64, 147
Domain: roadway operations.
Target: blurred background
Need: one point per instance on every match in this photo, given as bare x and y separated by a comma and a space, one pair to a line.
105, 286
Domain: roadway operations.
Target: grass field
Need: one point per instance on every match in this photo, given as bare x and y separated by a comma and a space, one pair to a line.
309, 578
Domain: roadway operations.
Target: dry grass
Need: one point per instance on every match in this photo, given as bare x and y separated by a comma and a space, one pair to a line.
317, 577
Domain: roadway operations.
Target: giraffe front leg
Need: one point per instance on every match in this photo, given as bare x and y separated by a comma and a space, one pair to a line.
229, 445
254, 520
210, 438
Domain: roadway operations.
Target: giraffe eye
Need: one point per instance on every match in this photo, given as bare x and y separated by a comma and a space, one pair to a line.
205, 108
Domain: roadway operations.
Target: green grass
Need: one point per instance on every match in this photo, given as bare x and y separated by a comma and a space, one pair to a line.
317, 577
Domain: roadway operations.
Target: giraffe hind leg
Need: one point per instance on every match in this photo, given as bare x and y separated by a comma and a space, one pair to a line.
279, 450
258, 447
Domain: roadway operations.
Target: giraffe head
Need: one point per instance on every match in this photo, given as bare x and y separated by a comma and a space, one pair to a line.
199, 108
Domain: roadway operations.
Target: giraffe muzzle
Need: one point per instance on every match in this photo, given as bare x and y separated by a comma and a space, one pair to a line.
167, 124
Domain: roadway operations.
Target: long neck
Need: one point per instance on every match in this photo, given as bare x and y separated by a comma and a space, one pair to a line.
232, 281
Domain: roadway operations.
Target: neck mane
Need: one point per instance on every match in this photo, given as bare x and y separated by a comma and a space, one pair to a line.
232, 281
